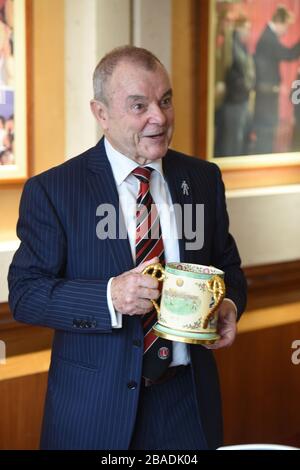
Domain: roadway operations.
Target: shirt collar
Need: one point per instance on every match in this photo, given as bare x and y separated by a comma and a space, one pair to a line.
122, 166
272, 26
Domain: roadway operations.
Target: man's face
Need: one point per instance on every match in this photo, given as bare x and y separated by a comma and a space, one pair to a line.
281, 28
244, 31
138, 118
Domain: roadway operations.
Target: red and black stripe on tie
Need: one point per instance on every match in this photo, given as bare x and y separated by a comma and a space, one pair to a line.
149, 244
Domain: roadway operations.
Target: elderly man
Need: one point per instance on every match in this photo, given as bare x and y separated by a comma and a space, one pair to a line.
112, 383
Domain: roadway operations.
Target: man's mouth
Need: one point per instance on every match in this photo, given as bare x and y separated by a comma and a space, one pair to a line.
155, 136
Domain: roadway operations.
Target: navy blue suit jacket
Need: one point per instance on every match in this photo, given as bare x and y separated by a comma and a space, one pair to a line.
58, 279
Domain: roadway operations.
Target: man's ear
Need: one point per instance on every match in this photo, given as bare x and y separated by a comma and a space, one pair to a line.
99, 110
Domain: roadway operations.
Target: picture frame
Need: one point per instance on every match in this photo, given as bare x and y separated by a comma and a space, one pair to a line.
195, 54
241, 128
13, 91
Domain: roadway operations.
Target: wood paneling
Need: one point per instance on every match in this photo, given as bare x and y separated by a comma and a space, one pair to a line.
273, 284
183, 73
260, 177
23, 339
20, 338
24, 365
285, 275
22, 401
48, 82
261, 386
23, 381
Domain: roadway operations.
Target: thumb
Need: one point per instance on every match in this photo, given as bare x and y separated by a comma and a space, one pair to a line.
140, 268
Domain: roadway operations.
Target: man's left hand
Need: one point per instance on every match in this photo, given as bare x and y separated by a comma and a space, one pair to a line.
226, 325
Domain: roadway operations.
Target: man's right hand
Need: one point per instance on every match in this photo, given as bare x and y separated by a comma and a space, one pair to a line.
132, 291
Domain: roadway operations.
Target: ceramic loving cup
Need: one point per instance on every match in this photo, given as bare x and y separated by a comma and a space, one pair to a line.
191, 295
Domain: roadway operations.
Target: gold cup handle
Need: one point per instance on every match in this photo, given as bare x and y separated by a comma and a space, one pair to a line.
158, 272
216, 286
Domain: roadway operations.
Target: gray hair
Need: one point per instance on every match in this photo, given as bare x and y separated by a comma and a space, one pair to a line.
107, 65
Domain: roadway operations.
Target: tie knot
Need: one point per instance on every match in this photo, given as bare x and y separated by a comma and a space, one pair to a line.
143, 173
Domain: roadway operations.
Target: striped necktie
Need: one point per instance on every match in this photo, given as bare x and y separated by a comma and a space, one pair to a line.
149, 243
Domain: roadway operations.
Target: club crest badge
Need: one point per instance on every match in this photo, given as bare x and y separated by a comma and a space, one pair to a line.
163, 353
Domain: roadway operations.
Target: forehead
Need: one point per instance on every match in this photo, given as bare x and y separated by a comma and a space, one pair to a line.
134, 79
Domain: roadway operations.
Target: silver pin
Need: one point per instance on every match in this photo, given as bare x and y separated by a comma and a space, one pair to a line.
185, 188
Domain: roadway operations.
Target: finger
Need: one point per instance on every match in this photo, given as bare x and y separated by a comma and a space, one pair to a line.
140, 268
149, 282
145, 305
142, 307
222, 343
144, 280
228, 331
146, 293
225, 341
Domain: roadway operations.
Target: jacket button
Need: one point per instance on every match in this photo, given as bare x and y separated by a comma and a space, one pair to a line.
132, 385
137, 343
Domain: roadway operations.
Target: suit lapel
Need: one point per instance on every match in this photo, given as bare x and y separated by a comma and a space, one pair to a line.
103, 189
181, 192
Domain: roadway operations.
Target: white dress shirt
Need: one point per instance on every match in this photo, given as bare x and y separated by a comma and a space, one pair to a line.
128, 187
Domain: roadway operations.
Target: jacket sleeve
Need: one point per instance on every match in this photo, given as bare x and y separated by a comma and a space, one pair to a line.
287, 53
39, 294
225, 252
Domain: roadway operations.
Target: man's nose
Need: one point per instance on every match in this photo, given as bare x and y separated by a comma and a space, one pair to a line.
157, 115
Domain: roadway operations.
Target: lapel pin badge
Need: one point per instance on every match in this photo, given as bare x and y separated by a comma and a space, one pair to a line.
185, 188
163, 353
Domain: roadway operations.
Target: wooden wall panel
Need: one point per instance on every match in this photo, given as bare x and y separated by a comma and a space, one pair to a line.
183, 73
23, 381
22, 402
261, 386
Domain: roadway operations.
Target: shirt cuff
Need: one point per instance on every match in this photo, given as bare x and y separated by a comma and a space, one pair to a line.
116, 317
234, 306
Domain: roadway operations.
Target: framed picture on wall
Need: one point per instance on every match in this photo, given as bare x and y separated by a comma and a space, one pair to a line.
248, 82
261, 147
13, 91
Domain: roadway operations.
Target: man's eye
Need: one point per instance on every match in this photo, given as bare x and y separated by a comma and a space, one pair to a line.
138, 106
166, 102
